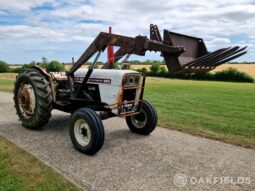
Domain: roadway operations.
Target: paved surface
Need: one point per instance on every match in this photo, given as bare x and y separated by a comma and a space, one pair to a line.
131, 162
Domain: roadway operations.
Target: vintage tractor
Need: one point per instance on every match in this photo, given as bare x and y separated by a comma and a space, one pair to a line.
92, 95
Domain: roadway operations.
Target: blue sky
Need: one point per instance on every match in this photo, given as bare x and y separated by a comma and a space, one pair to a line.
60, 30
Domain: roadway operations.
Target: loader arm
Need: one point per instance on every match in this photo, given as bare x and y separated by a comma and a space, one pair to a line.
138, 45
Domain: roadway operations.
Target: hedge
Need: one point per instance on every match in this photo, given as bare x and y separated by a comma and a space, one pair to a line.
53, 66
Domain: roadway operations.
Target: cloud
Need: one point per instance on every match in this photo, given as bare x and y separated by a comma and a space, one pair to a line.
83, 12
202, 17
23, 32
218, 22
218, 42
24, 5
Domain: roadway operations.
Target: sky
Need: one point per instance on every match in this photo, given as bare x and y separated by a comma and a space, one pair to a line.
60, 30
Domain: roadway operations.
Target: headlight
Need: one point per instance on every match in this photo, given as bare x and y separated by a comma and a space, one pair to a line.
132, 80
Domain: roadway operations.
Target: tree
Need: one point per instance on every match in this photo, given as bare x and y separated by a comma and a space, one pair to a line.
163, 69
24, 66
55, 66
155, 68
4, 67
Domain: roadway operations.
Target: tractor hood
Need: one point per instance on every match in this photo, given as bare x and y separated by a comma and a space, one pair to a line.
103, 76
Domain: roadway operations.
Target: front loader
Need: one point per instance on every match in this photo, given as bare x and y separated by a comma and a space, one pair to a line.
92, 95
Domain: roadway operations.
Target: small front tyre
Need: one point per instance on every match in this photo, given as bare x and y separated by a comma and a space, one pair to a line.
86, 131
145, 122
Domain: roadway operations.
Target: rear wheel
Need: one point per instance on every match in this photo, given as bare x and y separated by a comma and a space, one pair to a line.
86, 131
32, 98
144, 122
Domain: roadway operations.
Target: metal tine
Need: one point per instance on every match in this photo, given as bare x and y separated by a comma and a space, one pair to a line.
206, 56
213, 62
210, 62
234, 53
217, 57
228, 59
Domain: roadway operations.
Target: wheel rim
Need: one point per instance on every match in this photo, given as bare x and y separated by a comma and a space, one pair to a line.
26, 100
140, 120
82, 132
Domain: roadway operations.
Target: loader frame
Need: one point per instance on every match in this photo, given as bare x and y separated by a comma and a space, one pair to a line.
182, 53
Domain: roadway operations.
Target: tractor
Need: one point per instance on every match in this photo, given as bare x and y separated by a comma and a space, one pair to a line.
92, 95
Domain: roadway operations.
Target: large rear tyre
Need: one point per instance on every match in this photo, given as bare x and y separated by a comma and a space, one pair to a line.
32, 98
86, 131
145, 122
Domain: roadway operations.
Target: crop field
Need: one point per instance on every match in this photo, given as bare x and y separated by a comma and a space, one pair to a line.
218, 110
247, 68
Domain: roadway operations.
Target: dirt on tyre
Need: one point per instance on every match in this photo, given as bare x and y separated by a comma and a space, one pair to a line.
86, 131
32, 98
144, 122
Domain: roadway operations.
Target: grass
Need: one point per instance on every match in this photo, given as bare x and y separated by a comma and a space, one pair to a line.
6, 85
20, 171
219, 110
6, 81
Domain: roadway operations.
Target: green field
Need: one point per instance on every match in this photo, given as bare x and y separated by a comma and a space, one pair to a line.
20, 171
218, 110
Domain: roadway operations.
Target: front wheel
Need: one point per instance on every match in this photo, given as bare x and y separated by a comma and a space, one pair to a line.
144, 122
86, 131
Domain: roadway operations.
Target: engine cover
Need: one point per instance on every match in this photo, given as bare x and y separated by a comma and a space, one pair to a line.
104, 76
121, 90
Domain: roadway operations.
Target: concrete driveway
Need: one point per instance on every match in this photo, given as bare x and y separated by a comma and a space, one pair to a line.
165, 160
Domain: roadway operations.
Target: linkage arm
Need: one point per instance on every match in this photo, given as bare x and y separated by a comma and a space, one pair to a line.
138, 45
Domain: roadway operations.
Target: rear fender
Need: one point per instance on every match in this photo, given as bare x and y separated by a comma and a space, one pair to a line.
49, 78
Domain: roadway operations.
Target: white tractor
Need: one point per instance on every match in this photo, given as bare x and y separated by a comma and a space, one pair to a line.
109, 92
92, 95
